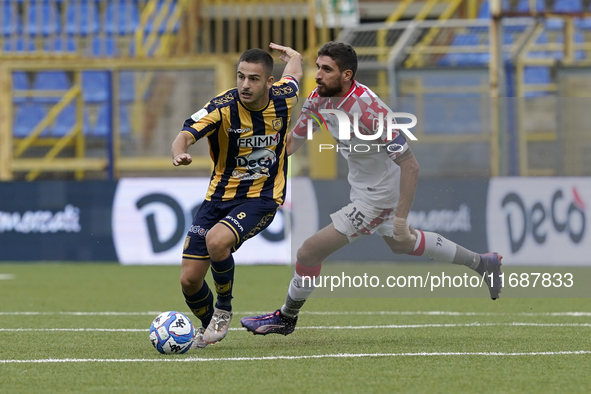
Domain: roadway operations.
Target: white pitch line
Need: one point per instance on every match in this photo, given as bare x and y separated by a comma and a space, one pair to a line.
270, 358
334, 313
154, 313
7, 276
391, 326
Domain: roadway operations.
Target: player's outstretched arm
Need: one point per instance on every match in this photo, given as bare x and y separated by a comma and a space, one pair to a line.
180, 146
409, 176
293, 144
295, 62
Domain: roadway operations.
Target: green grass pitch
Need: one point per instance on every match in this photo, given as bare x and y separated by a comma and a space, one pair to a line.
83, 328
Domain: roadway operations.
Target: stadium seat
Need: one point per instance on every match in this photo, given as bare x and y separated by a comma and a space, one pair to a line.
20, 82
18, 45
536, 75
26, 117
103, 47
523, 6
50, 80
568, 6
121, 17
583, 23
42, 19
10, 22
64, 121
95, 86
102, 124
82, 17
61, 44
554, 24
464, 59
484, 10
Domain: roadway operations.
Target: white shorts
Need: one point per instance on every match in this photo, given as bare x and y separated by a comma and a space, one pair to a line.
359, 218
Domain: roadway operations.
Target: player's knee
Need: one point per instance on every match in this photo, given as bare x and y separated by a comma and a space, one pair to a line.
191, 283
217, 246
306, 256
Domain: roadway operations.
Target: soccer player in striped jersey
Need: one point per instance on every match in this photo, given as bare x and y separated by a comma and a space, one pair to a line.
383, 178
246, 128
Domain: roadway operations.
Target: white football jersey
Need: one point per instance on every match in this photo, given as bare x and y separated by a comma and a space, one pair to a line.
373, 175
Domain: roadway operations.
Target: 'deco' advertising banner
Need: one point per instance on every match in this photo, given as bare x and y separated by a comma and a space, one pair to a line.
540, 221
151, 217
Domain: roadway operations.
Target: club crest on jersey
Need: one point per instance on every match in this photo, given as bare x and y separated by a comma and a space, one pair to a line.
277, 124
257, 164
259, 141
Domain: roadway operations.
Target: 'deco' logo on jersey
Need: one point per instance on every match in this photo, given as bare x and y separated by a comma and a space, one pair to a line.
259, 161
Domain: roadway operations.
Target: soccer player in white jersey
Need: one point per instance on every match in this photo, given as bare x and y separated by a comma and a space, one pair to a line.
383, 184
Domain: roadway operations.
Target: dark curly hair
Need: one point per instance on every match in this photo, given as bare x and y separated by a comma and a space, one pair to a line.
343, 54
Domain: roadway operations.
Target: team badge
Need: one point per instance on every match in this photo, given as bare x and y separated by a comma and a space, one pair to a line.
277, 124
187, 239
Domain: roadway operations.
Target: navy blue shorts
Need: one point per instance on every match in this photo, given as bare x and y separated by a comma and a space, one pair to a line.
245, 217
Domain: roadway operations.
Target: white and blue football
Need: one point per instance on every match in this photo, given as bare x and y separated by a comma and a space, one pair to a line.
171, 333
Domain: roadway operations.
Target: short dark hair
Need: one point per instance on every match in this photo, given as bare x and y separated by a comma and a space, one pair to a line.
343, 54
258, 56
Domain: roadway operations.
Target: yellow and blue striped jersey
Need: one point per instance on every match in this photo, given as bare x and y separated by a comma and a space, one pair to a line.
246, 146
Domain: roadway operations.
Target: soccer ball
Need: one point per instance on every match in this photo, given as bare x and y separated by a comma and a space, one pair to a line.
171, 333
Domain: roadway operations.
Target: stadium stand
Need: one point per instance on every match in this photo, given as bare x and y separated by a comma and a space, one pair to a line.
95, 86
26, 118
10, 21
50, 81
92, 31
121, 17
82, 18
64, 121
20, 83
42, 19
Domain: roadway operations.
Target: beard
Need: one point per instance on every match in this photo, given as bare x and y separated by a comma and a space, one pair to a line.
329, 91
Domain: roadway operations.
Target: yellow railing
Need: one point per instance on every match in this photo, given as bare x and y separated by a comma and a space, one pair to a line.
14, 153
416, 59
237, 25
414, 89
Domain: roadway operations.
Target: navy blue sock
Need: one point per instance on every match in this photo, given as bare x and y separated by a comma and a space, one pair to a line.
223, 277
201, 304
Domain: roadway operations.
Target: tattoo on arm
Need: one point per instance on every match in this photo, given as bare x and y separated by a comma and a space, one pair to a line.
405, 156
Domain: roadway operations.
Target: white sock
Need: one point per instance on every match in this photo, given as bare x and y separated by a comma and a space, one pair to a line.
300, 288
299, 291
437, 247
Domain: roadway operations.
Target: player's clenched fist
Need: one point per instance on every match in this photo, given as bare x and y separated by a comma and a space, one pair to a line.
402, 231
183, 159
